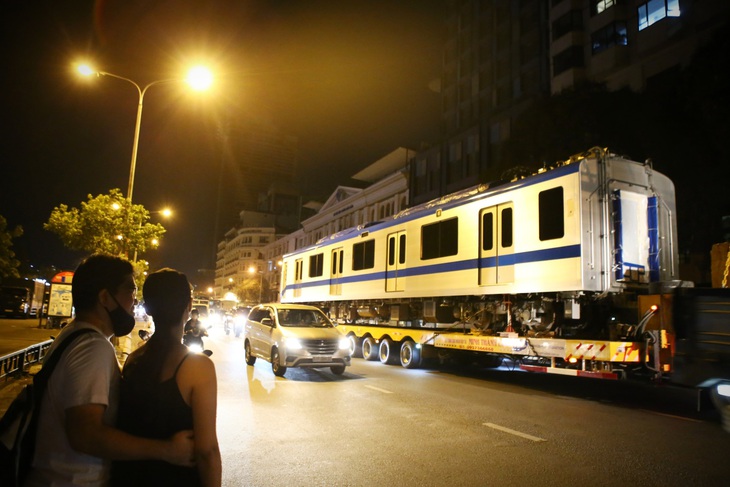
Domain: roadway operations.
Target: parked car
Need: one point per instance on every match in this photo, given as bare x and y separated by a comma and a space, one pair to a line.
292, 335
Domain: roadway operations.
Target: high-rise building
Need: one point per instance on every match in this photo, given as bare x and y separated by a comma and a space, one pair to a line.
257, 158
501, 55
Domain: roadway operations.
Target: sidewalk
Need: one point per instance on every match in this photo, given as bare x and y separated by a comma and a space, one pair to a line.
11, 386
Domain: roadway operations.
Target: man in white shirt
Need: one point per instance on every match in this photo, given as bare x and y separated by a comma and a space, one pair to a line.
76, 438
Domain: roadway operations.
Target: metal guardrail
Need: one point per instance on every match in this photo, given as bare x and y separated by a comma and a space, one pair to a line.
16, 362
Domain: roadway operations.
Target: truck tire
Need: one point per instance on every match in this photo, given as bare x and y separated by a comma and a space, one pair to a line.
369, 349
410, 355
388, 352
355, 349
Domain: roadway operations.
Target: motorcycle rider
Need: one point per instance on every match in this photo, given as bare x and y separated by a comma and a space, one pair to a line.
194, 330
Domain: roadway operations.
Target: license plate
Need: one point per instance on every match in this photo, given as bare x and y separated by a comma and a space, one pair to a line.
321, 358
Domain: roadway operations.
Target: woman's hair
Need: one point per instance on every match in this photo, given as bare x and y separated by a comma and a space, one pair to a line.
97, 272
167, 294
166, 297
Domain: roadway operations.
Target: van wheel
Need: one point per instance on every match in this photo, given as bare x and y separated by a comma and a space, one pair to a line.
278, 369
338, 369
369, 349
250, 359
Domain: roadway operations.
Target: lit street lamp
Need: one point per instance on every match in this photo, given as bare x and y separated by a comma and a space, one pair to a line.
167, 213
199, 78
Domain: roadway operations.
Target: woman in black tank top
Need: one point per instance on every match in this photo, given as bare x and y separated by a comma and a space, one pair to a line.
159, 382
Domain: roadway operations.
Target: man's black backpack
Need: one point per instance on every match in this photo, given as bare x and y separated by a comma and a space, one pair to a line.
19, 424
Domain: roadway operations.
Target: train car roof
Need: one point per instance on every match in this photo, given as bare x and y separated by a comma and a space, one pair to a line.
457, 198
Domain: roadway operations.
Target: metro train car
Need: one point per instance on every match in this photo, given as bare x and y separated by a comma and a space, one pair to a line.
562, 252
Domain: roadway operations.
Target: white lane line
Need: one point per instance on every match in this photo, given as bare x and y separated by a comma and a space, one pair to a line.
672, 416
514, 432
379, 389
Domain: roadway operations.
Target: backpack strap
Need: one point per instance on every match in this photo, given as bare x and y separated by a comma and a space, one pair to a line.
41, 378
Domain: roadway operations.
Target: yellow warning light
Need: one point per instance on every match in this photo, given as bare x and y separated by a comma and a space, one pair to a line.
572, 360
654, 307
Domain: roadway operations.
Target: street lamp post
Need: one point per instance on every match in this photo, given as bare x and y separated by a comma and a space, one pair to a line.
198, 78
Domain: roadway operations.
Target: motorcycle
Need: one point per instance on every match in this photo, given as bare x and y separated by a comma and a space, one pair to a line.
227, 323
193, 339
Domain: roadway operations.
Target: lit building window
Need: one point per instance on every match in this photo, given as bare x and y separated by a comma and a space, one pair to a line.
655, 10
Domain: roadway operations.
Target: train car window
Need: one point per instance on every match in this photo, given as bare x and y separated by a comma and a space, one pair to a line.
551, 220
402, 250
507, 227
334, 263
487, 231
391, 251
363, 255
316, 265
440, 239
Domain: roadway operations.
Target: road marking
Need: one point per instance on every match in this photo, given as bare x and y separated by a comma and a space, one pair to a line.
672, 416
379, 389
514, 432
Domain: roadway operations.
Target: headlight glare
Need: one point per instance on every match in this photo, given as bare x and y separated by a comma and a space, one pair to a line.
344, 343
293, 344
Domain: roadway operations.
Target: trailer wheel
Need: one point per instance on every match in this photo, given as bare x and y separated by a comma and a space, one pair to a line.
388, 352
355, 349
410, 355
369, 349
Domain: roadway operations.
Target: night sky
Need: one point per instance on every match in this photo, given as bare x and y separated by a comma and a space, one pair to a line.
350, 79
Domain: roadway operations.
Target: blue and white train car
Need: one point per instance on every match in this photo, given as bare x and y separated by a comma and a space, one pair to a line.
550, 248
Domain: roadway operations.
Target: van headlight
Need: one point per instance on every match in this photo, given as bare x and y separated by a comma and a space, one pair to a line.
293, 344
344, 343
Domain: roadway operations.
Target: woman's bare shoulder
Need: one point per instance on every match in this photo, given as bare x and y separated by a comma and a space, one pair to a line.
198, 364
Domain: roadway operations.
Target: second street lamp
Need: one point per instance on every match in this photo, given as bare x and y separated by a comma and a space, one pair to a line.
199, 78
166, 212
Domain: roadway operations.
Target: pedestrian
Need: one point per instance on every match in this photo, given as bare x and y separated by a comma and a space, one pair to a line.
76, 438
167, 388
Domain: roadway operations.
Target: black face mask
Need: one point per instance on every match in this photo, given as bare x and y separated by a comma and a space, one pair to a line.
122, 321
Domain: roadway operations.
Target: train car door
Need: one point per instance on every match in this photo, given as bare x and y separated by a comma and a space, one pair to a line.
336, 271
496, 245
636, 238
396, 262
298, 266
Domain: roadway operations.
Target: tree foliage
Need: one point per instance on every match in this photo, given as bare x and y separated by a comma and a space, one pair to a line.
252, 289
107, 223
8, 263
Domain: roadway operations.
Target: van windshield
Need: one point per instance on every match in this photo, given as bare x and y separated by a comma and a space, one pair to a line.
304, 318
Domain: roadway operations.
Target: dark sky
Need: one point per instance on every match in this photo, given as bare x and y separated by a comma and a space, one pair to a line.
348, 78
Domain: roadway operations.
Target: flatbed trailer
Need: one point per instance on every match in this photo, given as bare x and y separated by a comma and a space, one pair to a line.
584, 358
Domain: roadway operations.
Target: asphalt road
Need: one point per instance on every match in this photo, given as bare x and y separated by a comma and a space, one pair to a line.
17, 334
385, 425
